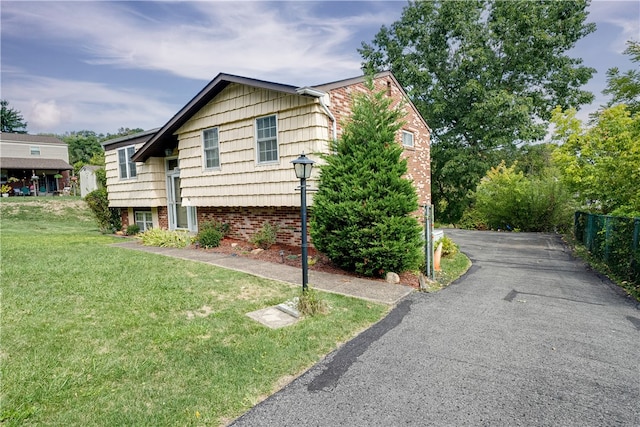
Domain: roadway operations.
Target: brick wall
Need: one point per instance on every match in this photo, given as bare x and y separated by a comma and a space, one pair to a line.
163, 217
245, 221
418, 157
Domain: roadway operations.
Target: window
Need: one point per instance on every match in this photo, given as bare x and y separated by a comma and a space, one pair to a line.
267, 138
126, 166
211, 147
35, 151
144, 220
407, 139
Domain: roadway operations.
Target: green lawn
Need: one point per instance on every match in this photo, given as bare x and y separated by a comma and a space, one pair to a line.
93, 334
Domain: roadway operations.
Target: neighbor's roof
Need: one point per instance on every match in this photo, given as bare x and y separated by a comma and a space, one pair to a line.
33, 163
23, 137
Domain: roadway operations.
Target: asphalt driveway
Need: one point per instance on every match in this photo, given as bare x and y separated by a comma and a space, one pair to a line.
528, 337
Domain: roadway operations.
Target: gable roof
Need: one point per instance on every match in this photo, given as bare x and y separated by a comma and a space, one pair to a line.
165, 135
24, 137
156, 140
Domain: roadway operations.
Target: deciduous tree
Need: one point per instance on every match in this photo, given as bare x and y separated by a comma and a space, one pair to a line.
485, 74
601, 163
624, 88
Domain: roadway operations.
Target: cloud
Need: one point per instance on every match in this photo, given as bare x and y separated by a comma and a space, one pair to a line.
199, 39
623, 15
59, 105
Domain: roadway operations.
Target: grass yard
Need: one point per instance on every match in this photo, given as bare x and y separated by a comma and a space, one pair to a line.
97, 335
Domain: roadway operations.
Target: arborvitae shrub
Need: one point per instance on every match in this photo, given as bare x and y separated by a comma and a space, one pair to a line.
361, 216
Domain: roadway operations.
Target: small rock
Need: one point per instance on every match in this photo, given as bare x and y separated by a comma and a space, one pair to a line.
392, 277
257, 251
233, 245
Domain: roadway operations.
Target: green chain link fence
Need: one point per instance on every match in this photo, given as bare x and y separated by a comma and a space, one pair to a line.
612, 240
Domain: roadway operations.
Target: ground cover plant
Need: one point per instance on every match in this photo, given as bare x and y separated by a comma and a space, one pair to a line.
94, 334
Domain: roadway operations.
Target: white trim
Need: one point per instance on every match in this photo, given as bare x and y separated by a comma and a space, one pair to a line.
257, 146
204, 150
413, 138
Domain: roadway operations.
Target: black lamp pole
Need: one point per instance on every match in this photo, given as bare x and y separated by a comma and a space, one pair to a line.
302, 166
305, 246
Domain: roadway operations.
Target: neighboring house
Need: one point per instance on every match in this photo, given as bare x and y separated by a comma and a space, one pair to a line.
88, 179
23, 158
226, 155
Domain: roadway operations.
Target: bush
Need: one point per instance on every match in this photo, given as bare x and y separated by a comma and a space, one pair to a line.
108, 219
266, 236
509, 200
361, 217
449, 247
165, 238
133, 229
211, 233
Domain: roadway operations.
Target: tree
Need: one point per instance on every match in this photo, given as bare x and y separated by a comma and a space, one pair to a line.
485, 75
625, 88
83, 146
361, 217
10, 119
601, 163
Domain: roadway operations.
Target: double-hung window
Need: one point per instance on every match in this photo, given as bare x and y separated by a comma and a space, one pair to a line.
407, 139
267, 139
211, 148
125, 165
34, 150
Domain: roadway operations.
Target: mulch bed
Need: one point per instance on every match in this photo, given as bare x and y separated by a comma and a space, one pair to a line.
291, 255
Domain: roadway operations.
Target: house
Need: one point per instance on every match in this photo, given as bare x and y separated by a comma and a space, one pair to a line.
227, 154
33, 164
88, 179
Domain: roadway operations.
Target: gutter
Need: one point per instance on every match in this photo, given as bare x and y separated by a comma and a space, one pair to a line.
320, 96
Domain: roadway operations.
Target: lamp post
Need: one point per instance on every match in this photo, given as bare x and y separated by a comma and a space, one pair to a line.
302, 166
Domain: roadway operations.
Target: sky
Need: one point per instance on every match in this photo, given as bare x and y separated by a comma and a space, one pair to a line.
101, 66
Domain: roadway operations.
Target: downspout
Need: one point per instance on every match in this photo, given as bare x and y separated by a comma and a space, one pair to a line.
320, 96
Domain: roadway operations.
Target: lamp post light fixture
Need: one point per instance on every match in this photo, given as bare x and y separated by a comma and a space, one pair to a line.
302, 166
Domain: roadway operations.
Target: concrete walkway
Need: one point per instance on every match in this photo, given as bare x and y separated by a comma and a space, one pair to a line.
372, 290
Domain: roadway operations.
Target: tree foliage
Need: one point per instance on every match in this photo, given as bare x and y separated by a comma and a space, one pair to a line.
485, 74
83, 146
361, 214
508, 199
601, 163
11, 120
624, 88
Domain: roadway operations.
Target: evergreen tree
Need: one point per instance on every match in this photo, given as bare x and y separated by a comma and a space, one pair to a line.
10, 119
361, 217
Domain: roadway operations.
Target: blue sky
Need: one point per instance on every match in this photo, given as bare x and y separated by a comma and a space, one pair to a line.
99, 66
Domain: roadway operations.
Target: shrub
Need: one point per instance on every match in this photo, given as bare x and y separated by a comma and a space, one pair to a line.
165, 238
108, 219
266, 236
509, 200
361, 216
133, 229
449, 247
211, 233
